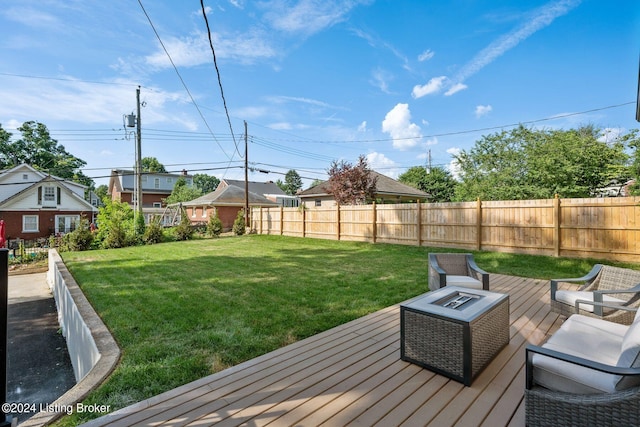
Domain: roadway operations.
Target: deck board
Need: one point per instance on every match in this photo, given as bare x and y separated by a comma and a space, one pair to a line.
352, 375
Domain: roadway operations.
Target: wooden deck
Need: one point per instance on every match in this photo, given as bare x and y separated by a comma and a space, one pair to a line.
353, 375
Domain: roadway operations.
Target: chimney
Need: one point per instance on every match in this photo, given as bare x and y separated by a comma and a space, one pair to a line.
184, 172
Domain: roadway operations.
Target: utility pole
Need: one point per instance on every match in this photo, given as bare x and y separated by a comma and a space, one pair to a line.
139, 154
429, 160
246, 177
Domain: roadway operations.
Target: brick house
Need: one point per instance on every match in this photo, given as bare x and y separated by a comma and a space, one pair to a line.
155, 188
388, 190
35, 205
227, 200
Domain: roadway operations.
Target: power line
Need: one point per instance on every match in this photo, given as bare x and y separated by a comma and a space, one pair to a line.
181, 79
215, 63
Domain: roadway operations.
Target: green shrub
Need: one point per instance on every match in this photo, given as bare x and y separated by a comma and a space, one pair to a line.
153, 232
239, 227
214, 226
79, 239
184, 231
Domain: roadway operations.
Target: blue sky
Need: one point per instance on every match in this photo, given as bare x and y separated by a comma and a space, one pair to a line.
315, 80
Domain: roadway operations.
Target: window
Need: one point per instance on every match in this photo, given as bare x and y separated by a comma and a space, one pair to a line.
193, 212
156, 182
30, 224
67, 223
204, 212
169, 180
157, 204
25, 177
318, 203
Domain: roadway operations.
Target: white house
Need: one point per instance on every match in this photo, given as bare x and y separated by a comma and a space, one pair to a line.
34, 204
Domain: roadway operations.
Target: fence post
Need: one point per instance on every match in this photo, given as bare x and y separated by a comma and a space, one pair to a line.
281, 220
338, 221
260, 219
419, 222
374, 231
479, 224
556, 226
304, 220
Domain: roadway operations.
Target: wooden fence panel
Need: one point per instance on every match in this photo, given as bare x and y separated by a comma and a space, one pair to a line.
449, 225
518, 226
602, 228
356, 223
397, 223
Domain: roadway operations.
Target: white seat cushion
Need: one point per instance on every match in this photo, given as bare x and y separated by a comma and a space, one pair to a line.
464, 281
630, 355
586, 337
570, 297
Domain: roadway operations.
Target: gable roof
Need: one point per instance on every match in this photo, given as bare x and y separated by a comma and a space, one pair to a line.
385, 187
229, 195
123, 180
62, 184
257, 187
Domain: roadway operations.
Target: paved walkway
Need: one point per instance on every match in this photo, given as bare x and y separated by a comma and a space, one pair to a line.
38, 370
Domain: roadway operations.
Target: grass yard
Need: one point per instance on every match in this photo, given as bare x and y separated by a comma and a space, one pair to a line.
183, 310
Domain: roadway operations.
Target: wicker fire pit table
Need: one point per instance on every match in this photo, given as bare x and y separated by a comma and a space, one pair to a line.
454, 331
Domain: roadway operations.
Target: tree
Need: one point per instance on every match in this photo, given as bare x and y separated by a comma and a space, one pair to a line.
182, 192
206, 183
351, 184
292, 183
152, 165
102, 191
438, 182
37, 149
535, 164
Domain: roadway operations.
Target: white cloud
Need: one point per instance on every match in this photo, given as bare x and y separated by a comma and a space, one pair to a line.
382, 164
397, 123
610, 134
195, 50
483, 110
433, 86
455, 89
454, 166
308, 16
426, 55
542, 17
380, 79
362, 127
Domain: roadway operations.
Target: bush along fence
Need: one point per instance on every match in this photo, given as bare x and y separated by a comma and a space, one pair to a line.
604, 228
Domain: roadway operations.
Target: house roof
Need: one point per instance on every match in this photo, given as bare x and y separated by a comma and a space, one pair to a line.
229, 195
385, 186
125, 180
62, 184
263, 188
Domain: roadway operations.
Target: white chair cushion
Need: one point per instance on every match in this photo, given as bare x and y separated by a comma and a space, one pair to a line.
464, 281
585, 337
570, 297
630, 355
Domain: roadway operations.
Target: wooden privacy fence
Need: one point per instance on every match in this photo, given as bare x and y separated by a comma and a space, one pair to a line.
605, 228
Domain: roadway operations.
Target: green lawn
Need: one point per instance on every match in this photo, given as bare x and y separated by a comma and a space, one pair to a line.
183, 310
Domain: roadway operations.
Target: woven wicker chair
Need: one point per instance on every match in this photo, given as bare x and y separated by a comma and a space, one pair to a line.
604, 283
457, 269
548, 407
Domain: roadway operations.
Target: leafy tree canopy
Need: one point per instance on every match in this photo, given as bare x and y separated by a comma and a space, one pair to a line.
37, 149
206, 183
351, 184
437, 182
182, 192
152, 165
537, 164
292, 183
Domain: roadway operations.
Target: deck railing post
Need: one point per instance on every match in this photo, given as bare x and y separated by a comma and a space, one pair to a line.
5, 419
